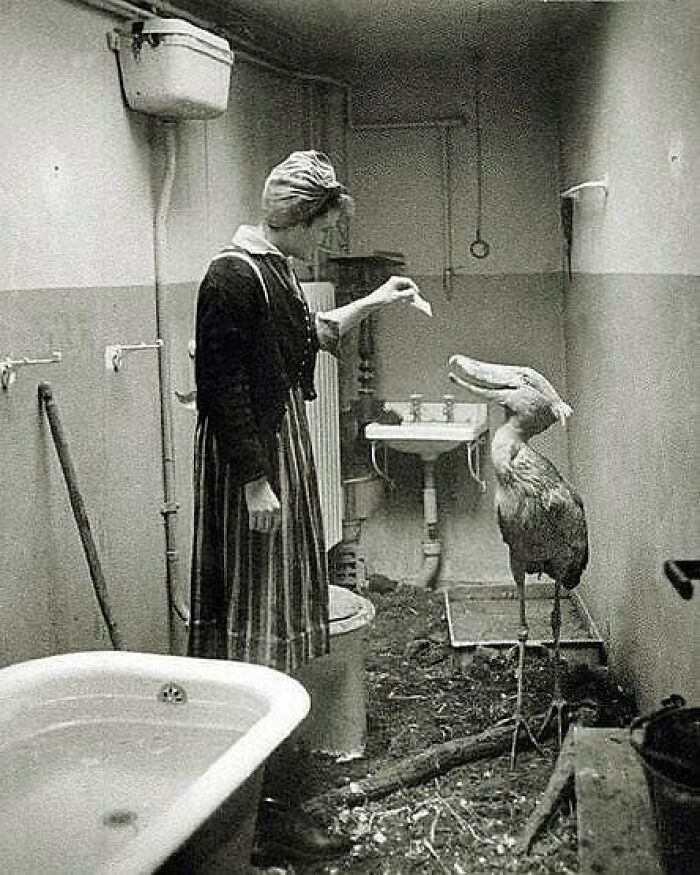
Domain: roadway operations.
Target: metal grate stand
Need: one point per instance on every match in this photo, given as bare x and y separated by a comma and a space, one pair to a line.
487, 615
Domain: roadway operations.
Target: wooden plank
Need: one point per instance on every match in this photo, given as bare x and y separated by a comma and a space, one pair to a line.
616, 829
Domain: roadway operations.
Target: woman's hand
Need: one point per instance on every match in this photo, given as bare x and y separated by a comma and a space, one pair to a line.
263, 506
396, 288
400, 288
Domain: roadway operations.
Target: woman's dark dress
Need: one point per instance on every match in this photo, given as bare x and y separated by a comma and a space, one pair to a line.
256, 596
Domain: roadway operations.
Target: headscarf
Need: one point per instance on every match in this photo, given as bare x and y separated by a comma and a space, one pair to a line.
299, 188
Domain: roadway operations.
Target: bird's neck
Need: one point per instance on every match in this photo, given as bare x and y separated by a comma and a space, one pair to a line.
507, 442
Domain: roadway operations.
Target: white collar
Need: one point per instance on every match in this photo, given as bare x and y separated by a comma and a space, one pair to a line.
250, 238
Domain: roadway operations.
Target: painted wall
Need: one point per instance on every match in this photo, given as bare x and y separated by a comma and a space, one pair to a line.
632, 318
80, 176
75, 274
507, 307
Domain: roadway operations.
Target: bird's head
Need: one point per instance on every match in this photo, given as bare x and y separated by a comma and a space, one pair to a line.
522, 391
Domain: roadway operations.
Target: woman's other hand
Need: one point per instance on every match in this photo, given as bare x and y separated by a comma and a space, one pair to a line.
263, 506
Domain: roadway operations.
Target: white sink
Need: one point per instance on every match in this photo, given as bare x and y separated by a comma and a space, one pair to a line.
428, 439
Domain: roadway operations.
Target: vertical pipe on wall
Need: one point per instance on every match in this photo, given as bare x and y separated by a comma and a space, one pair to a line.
311, 114
170, 506
447, 210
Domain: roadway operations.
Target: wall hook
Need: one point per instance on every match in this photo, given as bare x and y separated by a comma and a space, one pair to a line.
574, 191
9, 366
114, 353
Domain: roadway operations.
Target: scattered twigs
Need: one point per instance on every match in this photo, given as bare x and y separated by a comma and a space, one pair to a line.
560, 784
433, 827
434, 854
464, 824
420, 767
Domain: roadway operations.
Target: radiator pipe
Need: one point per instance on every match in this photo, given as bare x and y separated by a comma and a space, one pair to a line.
432, 547
170, 506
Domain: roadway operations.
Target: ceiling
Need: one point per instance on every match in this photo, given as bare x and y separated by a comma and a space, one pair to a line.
345, 37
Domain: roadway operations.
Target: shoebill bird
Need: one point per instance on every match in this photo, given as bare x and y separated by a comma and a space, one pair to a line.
540, 515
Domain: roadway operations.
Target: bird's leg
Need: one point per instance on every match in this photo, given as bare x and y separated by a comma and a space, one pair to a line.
518, 719
558, 705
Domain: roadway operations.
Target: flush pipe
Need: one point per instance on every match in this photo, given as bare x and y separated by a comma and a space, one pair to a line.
432, 546
170, 506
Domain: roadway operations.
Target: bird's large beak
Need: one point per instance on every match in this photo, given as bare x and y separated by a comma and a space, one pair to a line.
494, 382
484, 379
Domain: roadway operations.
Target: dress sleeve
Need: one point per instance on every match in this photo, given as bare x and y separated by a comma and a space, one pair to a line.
228, 320
328, 334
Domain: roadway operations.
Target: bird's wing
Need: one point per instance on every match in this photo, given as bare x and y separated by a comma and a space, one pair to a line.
540, 515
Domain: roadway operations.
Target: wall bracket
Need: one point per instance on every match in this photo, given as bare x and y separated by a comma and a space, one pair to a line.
9, 366
114, 353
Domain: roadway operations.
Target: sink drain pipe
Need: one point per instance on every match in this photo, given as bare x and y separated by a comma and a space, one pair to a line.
432, 546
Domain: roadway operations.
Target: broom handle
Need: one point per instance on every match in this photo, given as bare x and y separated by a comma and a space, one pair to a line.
47, 401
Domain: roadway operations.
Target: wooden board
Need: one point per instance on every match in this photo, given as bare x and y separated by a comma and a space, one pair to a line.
616, 829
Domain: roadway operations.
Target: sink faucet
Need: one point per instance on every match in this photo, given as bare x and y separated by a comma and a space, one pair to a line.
448, 407
416, 401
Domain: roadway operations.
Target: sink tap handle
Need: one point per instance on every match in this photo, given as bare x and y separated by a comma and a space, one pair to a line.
416, 400
448, 407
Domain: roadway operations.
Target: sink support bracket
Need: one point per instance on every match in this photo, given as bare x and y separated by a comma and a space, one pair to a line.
382, 472
474, 461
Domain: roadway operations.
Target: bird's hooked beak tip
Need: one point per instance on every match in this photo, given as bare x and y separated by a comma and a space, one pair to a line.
563, 411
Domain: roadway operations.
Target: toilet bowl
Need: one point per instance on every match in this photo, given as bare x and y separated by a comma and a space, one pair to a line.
337, 721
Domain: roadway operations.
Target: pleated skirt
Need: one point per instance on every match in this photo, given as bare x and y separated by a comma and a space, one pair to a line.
259, 597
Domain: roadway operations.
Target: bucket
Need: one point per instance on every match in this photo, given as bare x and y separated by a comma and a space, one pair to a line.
668, 744
337, 722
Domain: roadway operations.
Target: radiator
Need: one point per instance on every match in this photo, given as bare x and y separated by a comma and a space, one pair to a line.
324, 424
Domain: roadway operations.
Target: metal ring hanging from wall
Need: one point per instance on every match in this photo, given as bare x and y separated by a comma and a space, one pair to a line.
479, 248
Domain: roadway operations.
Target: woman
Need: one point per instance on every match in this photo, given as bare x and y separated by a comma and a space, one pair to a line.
259, 575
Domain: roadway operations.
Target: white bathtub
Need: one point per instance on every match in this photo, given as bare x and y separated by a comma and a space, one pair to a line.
116, 762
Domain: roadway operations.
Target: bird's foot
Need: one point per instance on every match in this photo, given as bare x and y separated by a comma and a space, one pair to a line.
556, 714
521, 726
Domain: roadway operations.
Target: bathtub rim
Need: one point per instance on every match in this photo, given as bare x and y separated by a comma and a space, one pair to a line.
286, 702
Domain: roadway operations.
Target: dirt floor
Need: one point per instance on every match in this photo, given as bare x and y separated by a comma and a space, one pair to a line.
465, 821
